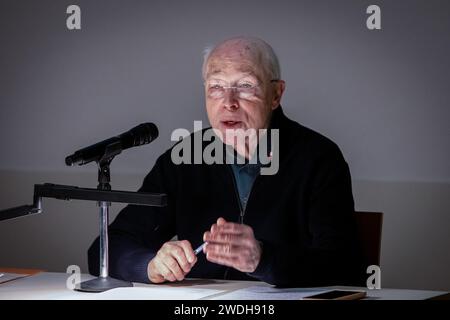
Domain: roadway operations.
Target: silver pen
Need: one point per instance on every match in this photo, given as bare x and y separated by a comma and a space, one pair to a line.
200, 248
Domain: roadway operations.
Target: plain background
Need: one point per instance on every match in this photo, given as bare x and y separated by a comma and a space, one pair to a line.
382, 96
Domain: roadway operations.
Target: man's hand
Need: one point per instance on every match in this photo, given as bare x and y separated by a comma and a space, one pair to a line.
233, 245
172, 262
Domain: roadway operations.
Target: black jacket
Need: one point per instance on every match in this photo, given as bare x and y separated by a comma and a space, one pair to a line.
303, 215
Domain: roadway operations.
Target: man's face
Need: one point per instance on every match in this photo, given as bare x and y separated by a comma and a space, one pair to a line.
247, 106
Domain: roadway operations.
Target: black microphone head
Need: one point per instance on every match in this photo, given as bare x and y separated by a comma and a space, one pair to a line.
139, 135
70, 160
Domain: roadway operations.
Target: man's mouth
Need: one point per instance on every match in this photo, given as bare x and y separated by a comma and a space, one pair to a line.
231, 124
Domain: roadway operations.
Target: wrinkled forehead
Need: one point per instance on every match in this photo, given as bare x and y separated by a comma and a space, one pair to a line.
235, 61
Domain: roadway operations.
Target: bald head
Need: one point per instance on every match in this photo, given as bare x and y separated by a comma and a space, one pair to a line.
251, 52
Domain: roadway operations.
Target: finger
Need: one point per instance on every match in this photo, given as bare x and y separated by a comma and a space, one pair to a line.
225, 238
222, 249
164, 271
220, 259
188, 252
158, 279
178, 253
172, 264
232, 227
221, 221
238, 230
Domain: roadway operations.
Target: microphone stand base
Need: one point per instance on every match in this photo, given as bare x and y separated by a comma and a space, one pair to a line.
101, 284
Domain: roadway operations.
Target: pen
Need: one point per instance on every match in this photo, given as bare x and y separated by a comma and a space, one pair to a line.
200, 249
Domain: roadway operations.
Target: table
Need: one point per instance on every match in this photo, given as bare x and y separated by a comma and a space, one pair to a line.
50, 285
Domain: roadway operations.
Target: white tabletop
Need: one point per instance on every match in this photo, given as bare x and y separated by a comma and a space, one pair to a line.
48, 285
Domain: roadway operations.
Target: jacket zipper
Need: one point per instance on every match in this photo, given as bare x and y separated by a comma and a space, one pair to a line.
241, 210
238, 198
236, 193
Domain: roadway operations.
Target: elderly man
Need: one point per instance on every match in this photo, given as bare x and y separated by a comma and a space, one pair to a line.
292, 228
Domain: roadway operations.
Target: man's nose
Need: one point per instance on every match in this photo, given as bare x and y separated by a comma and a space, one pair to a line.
229, 99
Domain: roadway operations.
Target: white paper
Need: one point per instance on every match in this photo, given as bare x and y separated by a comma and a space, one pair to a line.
155, 293
11, 276
269, 293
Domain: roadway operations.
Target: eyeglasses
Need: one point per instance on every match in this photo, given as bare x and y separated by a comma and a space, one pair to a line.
243, 89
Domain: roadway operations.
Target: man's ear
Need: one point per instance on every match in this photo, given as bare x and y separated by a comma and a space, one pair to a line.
278, 93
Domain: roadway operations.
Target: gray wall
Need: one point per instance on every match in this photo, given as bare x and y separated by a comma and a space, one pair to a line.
383, 96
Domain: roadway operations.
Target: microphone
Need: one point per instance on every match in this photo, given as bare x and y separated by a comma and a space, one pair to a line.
139, 135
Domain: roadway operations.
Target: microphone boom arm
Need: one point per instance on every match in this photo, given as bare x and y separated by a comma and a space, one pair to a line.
64, 192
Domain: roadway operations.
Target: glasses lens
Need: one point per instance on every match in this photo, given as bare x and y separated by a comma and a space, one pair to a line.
243, 89
215, 89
